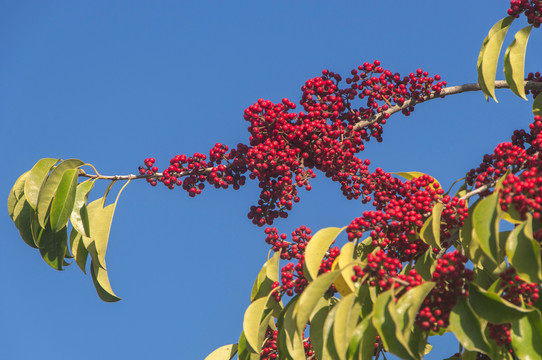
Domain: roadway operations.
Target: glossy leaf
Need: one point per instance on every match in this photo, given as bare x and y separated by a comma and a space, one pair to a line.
514, 62
24, 217
100, 223
80, 252
289, 339
409, 175
310, 297
361, 345
425, 265
53, 246
101, 283
316, 249
329, 340
527, 336
468, 328
266, 277
344, 261
316, 329
50, 187
62, 205
485, 222
537, 106
79, 216
430, 231
408, 305
256, 320
346, 318
35, 179
389, 326
491, 307
489, 56
523, 253
226, 352
511, 215
15, 194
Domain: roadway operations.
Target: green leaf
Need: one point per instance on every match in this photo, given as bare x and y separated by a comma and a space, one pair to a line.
24, 217
344, 262
408, 305
53, 246
62, 205
389, 326
362, 341
316, 329
256, 320
486, 227
289, 339
523, 253
527, 336
80, 253
50, 187
316, 249
409, 175
225, 352
35, 179
491, 307
489, 56
425, 265
468, 328
101, 283
100, 223
310, 297
514, 62
329, 340
511, 215
266, 277
346, 318
79, 216
537, 105
430, 231
15, 194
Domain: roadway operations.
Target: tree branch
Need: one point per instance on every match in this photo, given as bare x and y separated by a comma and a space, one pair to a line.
499, 84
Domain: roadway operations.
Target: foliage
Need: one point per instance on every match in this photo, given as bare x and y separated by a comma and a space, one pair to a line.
432, 261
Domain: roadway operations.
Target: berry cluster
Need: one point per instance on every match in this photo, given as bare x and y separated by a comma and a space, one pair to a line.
285, 147
402, 208
451, 279
269, 348
531, 8
534, 77
382, 272
519, 154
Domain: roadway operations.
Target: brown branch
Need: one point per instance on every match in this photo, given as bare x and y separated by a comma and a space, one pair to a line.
499, 84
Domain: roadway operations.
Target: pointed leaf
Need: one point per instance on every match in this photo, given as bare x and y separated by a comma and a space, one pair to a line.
24, 217
266, 277
362, 342
527, 336
35, 179
62, 205
514, 62
468, 328
492, 307
226, 352
344, 261
50, 186
80, 253
289, 339
389, 327
537, 105
523, 253
101, 283
53, 246
316, 329
486, 226
489, 56
346, 319
316, 249
408, 305
430, 231
79, 216
15, 194
310, 297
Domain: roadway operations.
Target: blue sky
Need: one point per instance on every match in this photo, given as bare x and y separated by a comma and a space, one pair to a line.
114, 82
